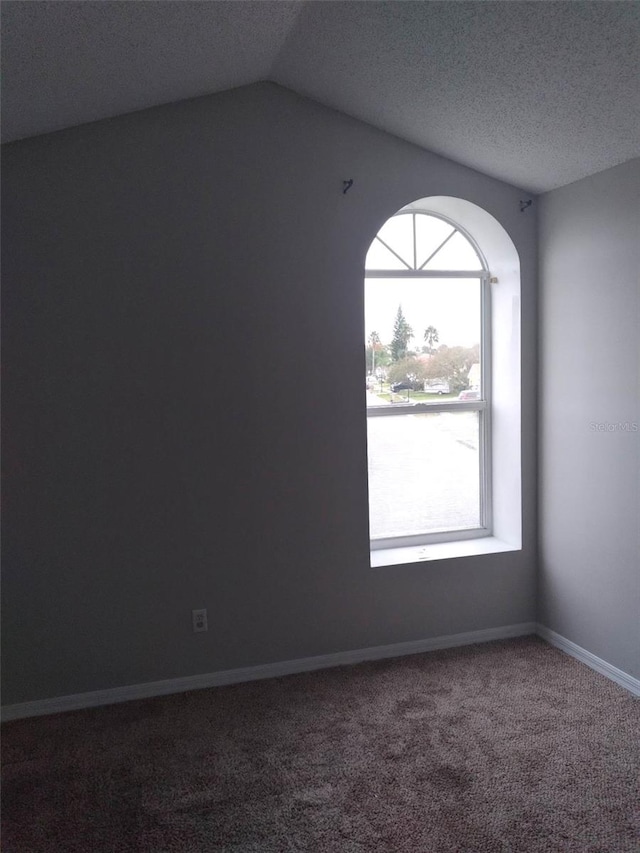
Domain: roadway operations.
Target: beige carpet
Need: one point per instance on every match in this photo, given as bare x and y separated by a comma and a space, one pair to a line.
496, 748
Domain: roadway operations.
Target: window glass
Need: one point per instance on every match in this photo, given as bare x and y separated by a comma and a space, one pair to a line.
423, 474
379, 257
430, 235
440, 355
427, 414
397, 233
456, 254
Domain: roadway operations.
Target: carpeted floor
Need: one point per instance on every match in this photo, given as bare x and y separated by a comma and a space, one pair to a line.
496, 748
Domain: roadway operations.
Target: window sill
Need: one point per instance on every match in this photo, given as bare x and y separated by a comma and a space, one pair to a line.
440, 551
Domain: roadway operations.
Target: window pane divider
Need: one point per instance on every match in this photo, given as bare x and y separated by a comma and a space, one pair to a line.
402, 261
415, 245
395, 409
433, 254
419, 539
409, 273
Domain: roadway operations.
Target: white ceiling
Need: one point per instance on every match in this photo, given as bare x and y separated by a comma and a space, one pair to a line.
536, 93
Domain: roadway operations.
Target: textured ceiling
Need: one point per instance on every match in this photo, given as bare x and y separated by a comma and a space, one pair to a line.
539, 94
66, 63
536, 93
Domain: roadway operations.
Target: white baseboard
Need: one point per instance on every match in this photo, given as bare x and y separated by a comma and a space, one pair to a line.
78, 701
622, 678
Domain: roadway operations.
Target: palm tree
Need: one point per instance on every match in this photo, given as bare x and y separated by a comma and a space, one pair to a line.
431, 337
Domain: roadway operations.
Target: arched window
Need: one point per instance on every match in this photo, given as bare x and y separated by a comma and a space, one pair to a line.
427, 328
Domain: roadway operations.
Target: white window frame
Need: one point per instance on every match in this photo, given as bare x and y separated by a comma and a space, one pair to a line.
481, 406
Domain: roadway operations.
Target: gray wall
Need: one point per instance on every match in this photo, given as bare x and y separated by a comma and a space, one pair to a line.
184, 404
590, 383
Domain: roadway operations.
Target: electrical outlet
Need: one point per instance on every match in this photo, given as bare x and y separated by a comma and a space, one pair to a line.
199, 620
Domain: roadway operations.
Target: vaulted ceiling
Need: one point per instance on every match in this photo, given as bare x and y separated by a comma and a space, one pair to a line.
538, 94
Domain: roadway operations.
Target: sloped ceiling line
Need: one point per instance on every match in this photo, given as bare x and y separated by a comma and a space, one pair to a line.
536, 94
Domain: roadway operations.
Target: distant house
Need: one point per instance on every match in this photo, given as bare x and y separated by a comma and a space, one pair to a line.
474, 376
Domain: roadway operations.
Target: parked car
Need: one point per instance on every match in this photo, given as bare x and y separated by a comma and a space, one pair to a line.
469, 394
437, 388
406, 386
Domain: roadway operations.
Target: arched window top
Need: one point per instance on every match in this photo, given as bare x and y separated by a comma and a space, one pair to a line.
422, 242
